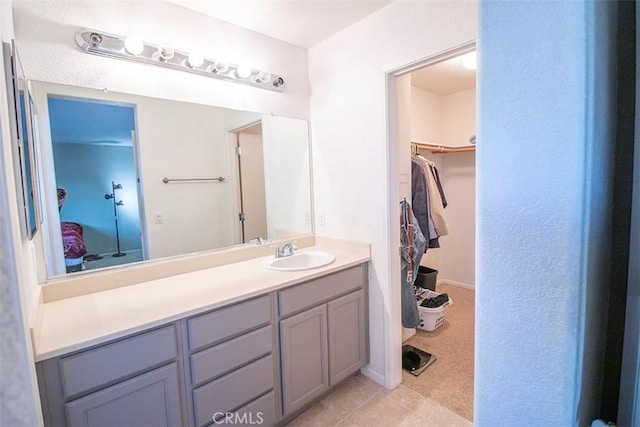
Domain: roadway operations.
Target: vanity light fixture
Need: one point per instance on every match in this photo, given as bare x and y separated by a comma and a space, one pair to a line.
134, 49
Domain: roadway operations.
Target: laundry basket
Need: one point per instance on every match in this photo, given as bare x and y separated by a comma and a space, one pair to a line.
432, 318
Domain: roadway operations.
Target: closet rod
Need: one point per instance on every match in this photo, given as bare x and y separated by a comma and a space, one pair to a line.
434, 148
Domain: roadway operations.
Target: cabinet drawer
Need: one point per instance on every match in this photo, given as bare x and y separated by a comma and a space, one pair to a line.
320, 290
215, 361
113, 362
233, 390
261, 411
218, 325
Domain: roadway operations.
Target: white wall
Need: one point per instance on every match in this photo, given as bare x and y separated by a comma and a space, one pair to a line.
426, 116
544, 87
349, 134
458, 176
448, 119
286, 176
458, 117
443, 119
19, 404
191, 142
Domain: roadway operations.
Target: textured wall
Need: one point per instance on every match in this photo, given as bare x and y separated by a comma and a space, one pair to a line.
544, 149
17, 407
18, 403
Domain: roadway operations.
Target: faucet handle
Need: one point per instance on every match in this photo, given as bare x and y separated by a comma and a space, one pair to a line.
289, 249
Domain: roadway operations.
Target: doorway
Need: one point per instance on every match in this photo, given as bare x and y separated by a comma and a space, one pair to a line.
252, 207
433, 116
94, 156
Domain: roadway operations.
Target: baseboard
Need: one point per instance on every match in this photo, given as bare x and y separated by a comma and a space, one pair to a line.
407, 333
372, 375
454, 283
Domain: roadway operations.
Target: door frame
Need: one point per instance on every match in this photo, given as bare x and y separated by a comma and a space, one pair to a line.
393, 328
236, 167
53, 250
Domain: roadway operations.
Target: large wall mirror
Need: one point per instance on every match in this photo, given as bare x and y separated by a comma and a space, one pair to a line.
129, 178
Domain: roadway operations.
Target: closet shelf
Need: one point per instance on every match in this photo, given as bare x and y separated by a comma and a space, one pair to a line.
435, 148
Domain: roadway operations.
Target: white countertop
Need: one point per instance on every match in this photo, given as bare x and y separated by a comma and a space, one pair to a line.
74, 323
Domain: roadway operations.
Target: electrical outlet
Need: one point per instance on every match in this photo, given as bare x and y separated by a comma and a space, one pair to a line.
158, 218
323, 219
307, 217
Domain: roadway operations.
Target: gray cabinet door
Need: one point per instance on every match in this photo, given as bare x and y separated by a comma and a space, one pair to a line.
152, 399
305, 373
347, 336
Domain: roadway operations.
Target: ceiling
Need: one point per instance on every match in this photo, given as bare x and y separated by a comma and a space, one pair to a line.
301, 23
305, 23
445, 77
75, 121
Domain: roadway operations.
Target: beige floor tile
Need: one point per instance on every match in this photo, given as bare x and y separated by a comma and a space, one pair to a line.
433, 414
333, 408
319, 415
360, 402
380, 410
351, 394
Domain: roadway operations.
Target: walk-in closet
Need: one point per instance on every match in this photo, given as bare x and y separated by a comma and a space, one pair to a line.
441, 116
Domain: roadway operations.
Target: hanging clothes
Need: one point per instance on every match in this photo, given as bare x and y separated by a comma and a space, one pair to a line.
421, 201
436, 176
413, 246
436, 203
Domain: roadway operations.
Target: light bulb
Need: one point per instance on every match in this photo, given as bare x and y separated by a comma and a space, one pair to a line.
262, 77
469, 61
195, 60
243, 72
218, 67
133, 45
164, 53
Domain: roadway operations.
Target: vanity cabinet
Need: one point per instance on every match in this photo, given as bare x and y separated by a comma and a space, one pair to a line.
231, 363
257, 361
131, 381
323, 335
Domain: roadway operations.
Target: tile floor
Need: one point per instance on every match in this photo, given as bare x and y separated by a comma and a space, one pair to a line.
361, 402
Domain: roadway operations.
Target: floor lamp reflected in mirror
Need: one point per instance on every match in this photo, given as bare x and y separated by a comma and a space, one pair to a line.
112, 196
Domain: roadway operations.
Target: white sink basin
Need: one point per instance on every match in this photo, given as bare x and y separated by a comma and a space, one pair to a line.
302, 260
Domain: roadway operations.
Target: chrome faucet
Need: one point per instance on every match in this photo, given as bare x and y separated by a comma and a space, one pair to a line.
286, 250
259, 240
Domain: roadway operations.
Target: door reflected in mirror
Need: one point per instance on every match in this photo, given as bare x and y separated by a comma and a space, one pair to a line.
96, 182
154, 178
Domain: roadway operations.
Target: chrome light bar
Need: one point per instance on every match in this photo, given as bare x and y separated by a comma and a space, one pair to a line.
132, 49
